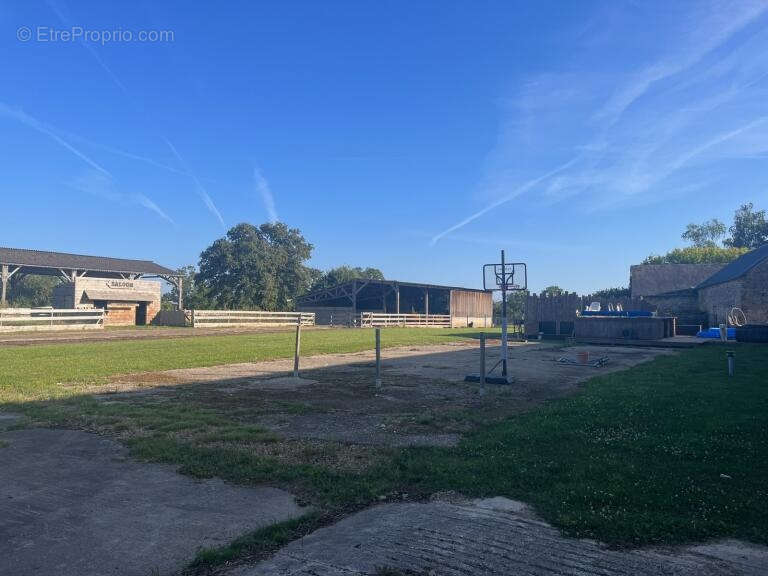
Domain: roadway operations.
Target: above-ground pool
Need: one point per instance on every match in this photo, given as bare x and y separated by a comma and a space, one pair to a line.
714, 333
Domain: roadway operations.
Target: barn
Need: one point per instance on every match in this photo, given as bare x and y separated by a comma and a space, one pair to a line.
392, 301
128, 291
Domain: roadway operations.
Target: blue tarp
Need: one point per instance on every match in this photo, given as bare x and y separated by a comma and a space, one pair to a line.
619, 313
715, 333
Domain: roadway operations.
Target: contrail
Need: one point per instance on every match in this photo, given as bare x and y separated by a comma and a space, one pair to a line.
201, 191
262, 187
503, 200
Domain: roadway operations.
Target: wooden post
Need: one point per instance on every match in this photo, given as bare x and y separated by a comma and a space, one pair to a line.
378, 357
5, 285
482, 359
297, 349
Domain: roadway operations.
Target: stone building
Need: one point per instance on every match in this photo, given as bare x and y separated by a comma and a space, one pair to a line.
743, 284
705, 293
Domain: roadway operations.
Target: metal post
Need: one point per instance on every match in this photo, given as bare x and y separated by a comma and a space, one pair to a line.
503, 317
731, 363
5, 284
482, 359
297, 349
180, 288
378, 357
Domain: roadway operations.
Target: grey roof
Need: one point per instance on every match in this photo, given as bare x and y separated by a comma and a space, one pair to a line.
56, 260
738, 267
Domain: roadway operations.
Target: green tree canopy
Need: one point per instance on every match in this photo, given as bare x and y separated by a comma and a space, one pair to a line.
697, 255
749, 229
619, 292
255, 267
28, 291
552, 291
341, 274
707, 233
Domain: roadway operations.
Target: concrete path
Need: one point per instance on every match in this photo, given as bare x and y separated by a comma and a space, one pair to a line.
74, 504
497, 536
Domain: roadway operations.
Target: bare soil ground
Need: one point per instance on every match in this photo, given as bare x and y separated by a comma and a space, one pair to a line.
423, 401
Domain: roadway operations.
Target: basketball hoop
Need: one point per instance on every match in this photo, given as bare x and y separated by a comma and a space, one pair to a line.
505, 277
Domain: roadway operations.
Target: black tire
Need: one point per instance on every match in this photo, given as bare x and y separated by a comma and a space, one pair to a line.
752, 333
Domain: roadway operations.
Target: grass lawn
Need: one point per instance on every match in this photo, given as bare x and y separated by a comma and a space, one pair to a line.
670, 451
33, 372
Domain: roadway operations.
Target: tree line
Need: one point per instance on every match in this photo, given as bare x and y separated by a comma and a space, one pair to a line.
712, 242
258, 267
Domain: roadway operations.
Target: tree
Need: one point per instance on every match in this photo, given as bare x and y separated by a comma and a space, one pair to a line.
705, 234
749, 229
194, 293
552, 291
255, 267
697, 255
620, 292
342, 274
29, 291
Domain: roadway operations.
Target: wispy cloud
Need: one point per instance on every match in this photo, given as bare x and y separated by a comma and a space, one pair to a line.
31, 122
201, 191
705, 31
503, 200
639, 137
103, 186
262, 187
58, 9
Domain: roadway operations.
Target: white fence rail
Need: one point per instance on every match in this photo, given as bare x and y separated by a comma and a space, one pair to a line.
44, 319
368, 319
220, 318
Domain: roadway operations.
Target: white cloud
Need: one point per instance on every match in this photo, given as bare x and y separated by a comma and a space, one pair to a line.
262, 187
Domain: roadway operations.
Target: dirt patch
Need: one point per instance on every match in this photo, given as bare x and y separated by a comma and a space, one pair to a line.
424, 399
490, 537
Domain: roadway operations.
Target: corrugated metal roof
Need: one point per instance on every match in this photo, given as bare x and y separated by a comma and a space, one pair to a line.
55, 260
738, 267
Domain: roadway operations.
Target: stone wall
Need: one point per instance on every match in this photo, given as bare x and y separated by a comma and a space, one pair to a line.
750, 293
754, 298
653, 279
684, 305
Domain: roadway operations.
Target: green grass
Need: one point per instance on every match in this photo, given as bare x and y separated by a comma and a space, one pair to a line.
667, 452
33, 372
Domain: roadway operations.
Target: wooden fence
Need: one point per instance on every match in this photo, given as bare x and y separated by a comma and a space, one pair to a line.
220, 318
368, 319
557, 314
40, 319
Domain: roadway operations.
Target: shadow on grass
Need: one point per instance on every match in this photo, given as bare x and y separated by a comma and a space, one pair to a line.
667, 452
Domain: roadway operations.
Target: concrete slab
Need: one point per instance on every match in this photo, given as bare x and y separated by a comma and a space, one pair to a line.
492, 537
74, 504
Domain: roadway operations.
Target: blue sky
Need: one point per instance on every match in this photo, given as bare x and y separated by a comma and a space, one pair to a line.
418, 137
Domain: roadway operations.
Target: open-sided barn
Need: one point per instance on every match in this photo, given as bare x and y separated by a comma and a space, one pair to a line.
344, 303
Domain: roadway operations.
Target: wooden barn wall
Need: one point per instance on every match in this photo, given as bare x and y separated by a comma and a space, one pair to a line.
474, 308
557, 314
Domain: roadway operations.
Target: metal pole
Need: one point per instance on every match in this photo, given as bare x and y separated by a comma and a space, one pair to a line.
297, 349
482, 359
731, 363
503, 317
378, 357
